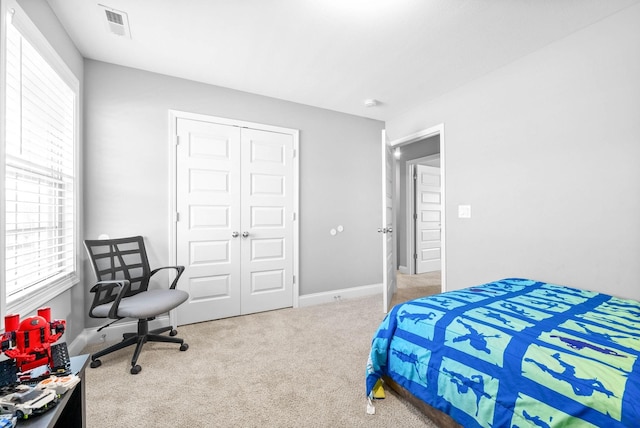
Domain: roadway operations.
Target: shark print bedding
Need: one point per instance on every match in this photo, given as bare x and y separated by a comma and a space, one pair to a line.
516, 353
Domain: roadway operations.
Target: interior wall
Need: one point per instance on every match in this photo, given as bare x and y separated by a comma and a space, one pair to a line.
127, 171
70, 304
546, 150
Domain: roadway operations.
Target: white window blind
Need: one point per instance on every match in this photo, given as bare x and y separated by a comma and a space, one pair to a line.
39, 171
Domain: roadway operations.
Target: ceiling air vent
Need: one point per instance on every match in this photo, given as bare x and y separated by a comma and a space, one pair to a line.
116, 21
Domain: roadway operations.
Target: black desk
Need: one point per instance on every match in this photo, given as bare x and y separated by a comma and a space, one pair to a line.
70, 412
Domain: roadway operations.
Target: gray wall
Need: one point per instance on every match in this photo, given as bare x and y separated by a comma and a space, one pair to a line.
546, 150
70, 304
127, 169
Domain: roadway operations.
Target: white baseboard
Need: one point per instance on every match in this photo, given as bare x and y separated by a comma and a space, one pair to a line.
113, 333
336, 295
78, 344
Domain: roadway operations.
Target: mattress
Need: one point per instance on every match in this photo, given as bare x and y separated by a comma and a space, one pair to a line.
516, 353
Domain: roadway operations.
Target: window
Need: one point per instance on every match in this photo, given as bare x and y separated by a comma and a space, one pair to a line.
39, 153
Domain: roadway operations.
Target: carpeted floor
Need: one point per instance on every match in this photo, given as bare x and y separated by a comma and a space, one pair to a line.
413, 286
287, 368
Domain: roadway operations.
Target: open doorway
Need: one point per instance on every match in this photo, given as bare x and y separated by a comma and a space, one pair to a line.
419, 214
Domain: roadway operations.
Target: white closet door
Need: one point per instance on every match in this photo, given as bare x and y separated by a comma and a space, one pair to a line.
208, 203
267, 221
235, 233
428, 222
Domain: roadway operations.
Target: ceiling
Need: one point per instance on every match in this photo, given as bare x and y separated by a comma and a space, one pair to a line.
332, 54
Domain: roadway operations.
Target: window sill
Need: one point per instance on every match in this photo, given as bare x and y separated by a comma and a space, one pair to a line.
35, 300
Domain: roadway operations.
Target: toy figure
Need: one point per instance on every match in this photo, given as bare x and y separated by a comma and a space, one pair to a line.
29, 342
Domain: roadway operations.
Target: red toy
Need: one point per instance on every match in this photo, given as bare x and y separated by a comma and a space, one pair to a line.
29, 342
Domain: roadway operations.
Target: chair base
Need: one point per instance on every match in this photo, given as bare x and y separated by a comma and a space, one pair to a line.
139, 339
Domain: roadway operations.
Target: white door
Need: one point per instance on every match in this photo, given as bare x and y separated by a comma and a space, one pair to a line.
388, 257
267, 219
234, 233
428, 218
208, 203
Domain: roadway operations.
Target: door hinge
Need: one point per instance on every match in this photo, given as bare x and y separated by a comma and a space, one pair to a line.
295, 153
177, 140
415, 216
415, 256
293, 216
294, 279
177, 217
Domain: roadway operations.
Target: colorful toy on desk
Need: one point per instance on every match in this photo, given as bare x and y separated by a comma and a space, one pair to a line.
24, 401
8, 421
29, 342
59, 384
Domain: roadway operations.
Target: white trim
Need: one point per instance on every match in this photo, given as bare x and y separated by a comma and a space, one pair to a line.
178, 114
337, 295
413, 138
296, 221
410, 221
173, 256
79, 343
174, 115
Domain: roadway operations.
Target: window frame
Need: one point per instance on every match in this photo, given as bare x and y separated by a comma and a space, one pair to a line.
12, 14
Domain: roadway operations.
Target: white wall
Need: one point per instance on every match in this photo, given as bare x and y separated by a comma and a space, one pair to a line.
546, 150
127, 171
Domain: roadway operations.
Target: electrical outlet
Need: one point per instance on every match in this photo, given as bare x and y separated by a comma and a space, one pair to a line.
464, 211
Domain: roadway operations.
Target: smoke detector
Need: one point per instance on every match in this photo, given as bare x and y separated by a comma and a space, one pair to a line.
117, 21
371, 102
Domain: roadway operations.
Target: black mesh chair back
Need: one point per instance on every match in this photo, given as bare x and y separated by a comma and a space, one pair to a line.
117, 259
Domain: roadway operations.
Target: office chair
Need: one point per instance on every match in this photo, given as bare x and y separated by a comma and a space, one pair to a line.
122, 271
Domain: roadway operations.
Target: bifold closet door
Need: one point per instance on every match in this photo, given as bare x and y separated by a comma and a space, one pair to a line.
235, 227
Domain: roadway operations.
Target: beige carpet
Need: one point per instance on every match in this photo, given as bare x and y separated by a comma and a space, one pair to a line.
288, 368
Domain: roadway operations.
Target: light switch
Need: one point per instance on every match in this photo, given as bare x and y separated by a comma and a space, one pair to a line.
464, 211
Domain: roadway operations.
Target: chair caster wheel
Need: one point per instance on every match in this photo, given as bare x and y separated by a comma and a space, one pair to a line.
184, 347
173, 332
95, 364
136, 369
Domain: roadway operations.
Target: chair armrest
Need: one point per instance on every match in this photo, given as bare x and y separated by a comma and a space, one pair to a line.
105, 291
178, 269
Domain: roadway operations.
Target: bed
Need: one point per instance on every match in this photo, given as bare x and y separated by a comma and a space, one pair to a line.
514, 353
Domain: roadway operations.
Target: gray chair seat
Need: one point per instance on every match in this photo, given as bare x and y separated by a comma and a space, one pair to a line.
144, 305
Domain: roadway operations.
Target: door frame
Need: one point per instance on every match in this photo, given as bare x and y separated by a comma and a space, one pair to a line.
174, 115
414, 138
410, 207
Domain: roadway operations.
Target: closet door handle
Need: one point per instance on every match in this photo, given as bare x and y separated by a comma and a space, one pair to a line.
235, 234
245, 234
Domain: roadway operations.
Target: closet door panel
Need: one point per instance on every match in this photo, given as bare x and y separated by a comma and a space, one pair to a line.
208, 202
267, 220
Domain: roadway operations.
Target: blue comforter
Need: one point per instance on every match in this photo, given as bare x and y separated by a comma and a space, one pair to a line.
516, 353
